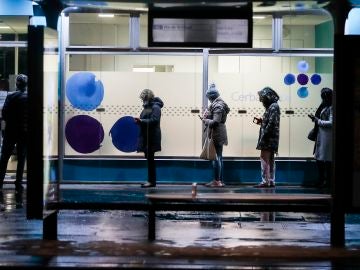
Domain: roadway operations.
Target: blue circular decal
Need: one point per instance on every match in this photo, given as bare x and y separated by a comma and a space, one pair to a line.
315, 79
303, 92
303, 66
124, 134
289, 79
84, 91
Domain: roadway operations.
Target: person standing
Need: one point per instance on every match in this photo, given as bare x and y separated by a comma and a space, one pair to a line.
4, 91
150, 132
323, 120
15, 115
214, 119
268, 142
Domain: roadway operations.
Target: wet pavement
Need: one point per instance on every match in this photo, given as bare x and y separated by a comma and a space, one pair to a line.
89, 239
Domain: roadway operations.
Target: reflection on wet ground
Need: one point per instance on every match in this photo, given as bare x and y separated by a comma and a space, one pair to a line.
185, 239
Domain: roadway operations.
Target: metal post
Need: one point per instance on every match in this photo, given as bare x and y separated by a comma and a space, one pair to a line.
134, 31
35, 177
277, 33
50, 226
151, 224
205, 85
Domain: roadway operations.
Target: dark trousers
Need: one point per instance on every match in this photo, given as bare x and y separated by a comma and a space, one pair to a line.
218, 163
150, 157
324, 172
9, 142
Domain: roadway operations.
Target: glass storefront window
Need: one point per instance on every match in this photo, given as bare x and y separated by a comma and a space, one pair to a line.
7, 62
88, 29
177, 80
307, 31
298, 97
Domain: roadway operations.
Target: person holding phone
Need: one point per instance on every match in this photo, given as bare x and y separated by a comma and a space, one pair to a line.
323, 120
150, 132
268, 141
214, 119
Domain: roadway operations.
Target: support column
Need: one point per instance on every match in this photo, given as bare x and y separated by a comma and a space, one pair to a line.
50, 226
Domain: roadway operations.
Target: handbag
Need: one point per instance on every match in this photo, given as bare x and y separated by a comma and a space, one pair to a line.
313, 134
208, 151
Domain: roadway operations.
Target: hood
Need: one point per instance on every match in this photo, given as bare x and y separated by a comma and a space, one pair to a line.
269, 94
157, 101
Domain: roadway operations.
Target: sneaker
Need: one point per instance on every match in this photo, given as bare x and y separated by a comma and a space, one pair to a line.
147, 185
262, 185
215, 183
210, 183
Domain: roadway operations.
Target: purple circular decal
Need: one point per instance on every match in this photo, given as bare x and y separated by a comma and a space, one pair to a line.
289, 79
315, 79
302, 79
84, 133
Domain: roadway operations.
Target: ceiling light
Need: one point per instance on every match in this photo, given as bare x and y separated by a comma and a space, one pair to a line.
4, 27
106, 15
259, 17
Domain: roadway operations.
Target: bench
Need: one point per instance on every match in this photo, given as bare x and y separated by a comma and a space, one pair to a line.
242, 202
216, 200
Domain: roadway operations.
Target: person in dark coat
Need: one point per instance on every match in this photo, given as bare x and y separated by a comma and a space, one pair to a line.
323, 120
214, 119
150, 132
15, 116
268, 142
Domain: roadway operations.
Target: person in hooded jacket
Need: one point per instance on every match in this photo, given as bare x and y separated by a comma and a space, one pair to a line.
214, 118
323, 120
149, 140
268, 142
15, 115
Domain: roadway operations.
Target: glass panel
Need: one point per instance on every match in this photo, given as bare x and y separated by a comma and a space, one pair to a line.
308, 31
143, 30
235, 75
177, 80
7, 62
262, 35
22, 63
6, 37
51, 74
88, 29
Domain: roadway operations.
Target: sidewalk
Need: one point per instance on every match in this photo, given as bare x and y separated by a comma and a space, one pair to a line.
185, 240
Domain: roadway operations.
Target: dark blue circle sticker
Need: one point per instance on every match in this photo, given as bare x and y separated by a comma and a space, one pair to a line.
84, 91
289, 79
124, 134
84, 133
315, 79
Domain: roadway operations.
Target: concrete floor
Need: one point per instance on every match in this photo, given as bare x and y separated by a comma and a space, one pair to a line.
185, 240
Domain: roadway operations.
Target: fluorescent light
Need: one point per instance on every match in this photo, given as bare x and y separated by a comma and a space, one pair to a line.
143, 69
4, 27
259, 17
106, 15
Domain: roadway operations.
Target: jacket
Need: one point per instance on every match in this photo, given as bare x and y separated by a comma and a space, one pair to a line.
215, 120
150, 132
323, 145
270, 129
15, 112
